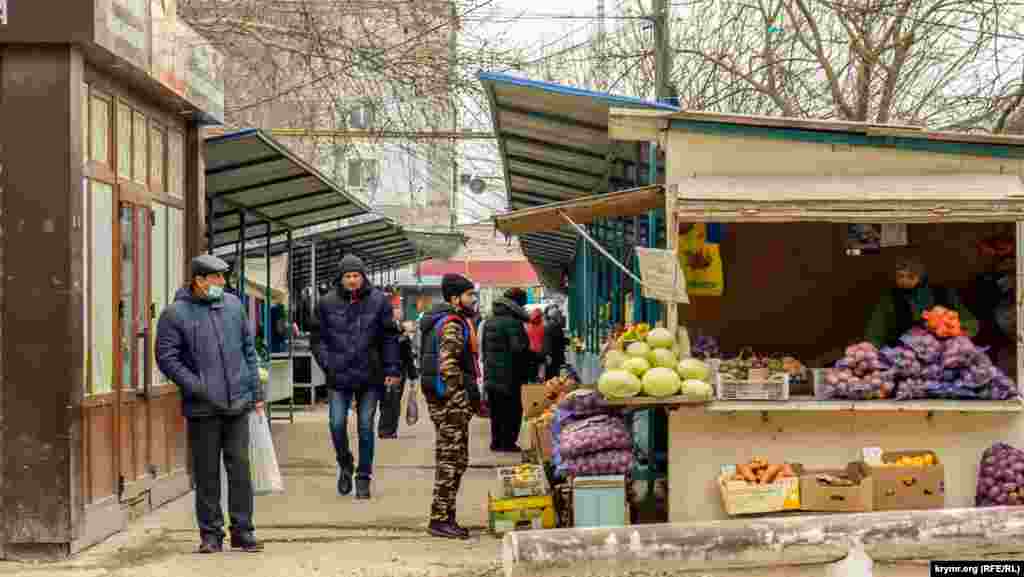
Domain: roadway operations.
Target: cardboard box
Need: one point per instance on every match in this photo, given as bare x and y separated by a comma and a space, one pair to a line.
906, 488
540, 436
534, 401
519, 514
743, 498
521, 481
818, 496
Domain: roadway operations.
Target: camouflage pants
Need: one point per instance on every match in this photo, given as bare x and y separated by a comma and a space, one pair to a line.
451, 418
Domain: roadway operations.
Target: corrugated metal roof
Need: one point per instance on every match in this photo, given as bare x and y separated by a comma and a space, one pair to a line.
555, 147
248, 171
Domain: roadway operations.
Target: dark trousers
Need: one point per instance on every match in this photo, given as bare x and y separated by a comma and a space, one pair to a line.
506, 408
210, 438
390, 410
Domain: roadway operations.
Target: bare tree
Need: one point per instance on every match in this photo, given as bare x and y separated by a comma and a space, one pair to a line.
378, 65
948, 64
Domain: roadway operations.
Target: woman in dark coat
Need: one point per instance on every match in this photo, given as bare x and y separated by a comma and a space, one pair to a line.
508, 362
391, 402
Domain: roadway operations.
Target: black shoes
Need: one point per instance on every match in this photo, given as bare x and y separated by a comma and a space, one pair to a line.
344, 482
362, 489
447, 530
210, 545
246, 542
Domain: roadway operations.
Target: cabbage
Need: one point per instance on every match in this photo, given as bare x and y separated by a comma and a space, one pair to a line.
663, 358
660, 338
613, 359
637, 365
693, 369
619, 384
698, 390
638, 349
661, 382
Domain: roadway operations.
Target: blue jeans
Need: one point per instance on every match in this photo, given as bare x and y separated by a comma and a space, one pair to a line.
366, 406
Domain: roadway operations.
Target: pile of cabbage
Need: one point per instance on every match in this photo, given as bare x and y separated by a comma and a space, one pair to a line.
589, 438
920, 367
652, 368
1000, 477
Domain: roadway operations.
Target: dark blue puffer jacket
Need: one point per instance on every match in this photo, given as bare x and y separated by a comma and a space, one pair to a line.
207, 349
358, 338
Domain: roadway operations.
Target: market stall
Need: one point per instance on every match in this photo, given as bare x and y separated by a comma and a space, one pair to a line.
800, 281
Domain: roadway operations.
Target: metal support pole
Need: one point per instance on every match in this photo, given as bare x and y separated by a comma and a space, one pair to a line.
242, 293
312, 272
291, 332
209, 225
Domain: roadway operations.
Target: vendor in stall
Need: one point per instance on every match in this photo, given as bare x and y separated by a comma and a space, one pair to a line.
995, 307
899, 308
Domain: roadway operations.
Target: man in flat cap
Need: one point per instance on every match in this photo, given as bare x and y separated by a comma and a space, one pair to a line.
358, 349
205, 346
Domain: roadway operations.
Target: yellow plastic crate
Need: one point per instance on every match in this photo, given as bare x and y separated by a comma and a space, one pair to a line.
521, 514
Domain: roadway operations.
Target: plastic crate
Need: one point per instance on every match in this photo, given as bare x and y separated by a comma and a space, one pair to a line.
519, 514
521, 481
730, 390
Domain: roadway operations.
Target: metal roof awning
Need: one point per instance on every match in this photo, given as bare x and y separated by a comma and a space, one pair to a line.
555, 147
583, 210
851, 199
250, 173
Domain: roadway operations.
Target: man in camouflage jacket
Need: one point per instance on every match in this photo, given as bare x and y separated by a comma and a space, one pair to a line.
448, 377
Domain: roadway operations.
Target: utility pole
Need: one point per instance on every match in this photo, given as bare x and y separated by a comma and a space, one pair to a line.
602, 59
452, 55
662, 50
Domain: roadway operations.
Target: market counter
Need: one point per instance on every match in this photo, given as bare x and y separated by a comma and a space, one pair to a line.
827, 434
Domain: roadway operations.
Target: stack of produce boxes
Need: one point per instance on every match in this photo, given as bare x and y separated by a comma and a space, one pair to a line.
521, 500
884, 481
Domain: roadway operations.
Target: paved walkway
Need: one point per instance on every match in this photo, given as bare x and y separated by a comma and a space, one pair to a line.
311, 531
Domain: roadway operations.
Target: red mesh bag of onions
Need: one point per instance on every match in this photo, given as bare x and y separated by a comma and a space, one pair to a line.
1000, 477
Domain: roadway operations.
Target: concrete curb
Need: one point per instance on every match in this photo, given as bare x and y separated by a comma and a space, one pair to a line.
763, 542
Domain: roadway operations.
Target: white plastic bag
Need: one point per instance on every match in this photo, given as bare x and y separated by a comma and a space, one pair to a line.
412, 407
855, 564
266, 475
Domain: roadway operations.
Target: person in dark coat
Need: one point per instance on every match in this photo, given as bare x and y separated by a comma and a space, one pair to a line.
391, 403
555, 341
448, 379
204, 345
358, 349
508, 363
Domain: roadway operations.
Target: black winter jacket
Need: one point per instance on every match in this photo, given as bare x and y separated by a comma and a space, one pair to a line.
430, 356
508, 360
357, 338
207, 349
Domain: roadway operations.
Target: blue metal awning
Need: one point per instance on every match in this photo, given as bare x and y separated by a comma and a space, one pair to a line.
250, 173
554, 147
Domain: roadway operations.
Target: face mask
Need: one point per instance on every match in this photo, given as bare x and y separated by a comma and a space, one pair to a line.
214, 292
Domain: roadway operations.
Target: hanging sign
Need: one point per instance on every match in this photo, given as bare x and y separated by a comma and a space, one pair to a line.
700, 255
663, 279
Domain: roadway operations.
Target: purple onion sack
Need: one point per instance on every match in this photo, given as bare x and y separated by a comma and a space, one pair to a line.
593, 434
614, 462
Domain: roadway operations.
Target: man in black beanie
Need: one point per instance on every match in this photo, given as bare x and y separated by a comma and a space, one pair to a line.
448, 377
358, 349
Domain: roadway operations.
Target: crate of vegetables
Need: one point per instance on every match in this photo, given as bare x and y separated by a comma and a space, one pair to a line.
909, 480
760, 487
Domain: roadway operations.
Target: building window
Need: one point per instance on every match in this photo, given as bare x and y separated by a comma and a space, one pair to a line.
124, 141
85, 124
100, 129
139, 152
175, 164
363, 175
167, 275
156, 159
361, 117
101, 289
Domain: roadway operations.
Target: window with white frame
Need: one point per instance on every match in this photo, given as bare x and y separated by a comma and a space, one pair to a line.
360, 117
364, 174
167, 274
